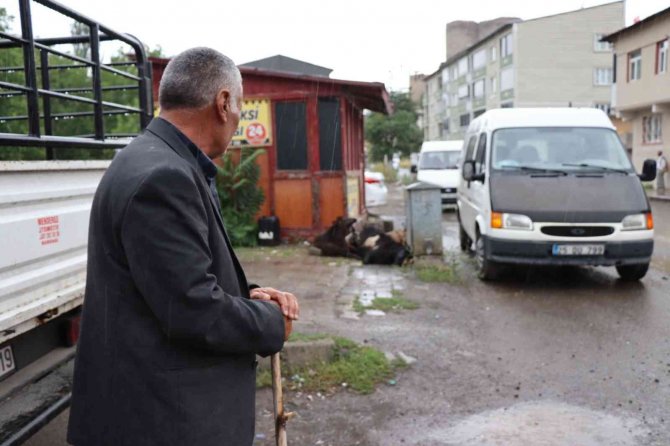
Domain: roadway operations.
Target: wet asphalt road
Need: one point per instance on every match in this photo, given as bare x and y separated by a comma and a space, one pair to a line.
548, 357
551, 357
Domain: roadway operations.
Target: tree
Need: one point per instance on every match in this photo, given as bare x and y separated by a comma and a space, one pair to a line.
240, 195
395, 133
71, 78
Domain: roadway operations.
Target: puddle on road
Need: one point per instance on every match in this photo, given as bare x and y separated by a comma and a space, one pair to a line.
545, 424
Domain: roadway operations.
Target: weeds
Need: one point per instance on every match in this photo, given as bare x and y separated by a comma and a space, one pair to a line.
396, 303
306, 337
438, 272
359, 368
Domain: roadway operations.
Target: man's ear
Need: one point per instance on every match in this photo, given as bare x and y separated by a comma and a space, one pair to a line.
223, 104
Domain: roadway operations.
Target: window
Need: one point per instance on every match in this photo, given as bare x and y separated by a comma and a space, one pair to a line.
494, 53
291, 121
506, 45
634, 65
478, 88
463, 67
445, 76
480, 160
445, 125
463, 92
479, 59
563, 148
507, 79
470, 151
507, 105
330, 135
602, 76
478, 113
652, 129
465, 120
599, 46
438, 160
494, 85
662, 57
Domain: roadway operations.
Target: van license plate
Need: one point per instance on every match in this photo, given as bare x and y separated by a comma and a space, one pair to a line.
578, 250
7, 364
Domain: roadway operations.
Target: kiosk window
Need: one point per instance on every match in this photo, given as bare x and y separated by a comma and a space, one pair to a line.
291, 122
330, 136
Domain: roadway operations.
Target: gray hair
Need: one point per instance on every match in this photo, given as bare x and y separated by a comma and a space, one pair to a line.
193, 78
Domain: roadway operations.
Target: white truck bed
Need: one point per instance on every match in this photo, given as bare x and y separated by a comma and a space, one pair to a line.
44, 216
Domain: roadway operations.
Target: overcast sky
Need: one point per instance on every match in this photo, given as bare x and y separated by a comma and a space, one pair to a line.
367, 40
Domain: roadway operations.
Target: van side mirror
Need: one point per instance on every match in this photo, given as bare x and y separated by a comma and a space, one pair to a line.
469, 172
413, 168
648, 170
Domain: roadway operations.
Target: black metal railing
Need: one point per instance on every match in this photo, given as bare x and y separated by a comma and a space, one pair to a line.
39, 92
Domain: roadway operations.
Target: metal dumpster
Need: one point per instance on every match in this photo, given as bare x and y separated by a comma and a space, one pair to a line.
423, 207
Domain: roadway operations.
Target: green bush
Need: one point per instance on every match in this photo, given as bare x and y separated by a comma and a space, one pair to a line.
390, 174
241, 197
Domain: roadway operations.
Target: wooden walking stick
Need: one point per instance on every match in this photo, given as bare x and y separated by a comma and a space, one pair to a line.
281, 417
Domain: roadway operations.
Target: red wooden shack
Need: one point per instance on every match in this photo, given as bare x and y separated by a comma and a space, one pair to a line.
311, 128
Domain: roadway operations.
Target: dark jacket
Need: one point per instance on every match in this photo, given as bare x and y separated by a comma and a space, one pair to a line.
169, 336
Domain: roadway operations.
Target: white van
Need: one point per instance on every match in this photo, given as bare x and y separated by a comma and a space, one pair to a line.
439, 163
553, 186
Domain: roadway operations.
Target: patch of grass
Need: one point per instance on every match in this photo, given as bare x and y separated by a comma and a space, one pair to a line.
358, 306
305, 337
390, 174
264, 378
359, 368
395, 303
438, 272
388, 304
406, 180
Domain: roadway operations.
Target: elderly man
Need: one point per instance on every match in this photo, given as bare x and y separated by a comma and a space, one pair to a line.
171, 327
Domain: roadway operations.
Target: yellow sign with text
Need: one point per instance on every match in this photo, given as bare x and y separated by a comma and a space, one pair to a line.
255, 129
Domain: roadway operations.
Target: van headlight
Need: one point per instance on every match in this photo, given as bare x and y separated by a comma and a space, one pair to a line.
500, 220
637, 222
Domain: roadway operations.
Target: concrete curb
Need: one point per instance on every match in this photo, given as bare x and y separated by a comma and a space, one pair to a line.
302, 353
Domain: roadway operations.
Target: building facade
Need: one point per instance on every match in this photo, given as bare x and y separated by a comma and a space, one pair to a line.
417, 88
553, 61
433, 108
641, 94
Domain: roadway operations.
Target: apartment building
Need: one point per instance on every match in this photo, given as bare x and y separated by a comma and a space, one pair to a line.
417, 88
641, 93
433, 108
551, 61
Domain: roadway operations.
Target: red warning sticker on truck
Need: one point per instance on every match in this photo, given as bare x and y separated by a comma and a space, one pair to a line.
49, 230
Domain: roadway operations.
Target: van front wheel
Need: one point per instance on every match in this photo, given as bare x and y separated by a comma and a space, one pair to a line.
486, 269
632, 273
463, 238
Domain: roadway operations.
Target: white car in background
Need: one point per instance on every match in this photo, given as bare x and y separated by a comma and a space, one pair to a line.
376, 192
439, 164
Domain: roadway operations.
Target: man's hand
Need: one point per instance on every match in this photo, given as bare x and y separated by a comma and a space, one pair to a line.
287, 301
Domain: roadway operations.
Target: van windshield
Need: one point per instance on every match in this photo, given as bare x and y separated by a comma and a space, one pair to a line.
564, 148
447, 159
